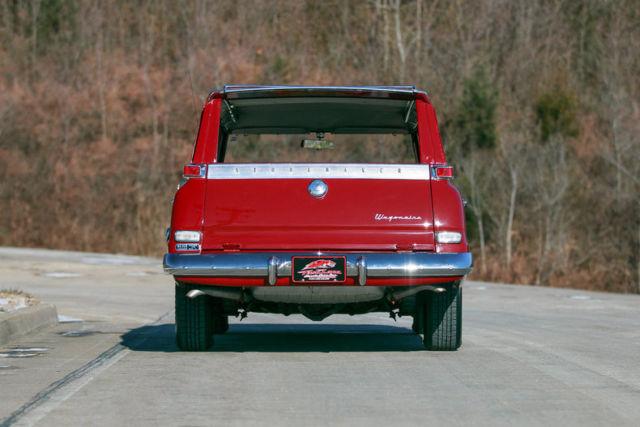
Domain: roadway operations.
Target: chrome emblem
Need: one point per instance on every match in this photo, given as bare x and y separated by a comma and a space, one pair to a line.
389, 218
318, 188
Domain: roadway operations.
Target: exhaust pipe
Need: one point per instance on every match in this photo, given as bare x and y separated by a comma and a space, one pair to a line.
232, 294
397, 296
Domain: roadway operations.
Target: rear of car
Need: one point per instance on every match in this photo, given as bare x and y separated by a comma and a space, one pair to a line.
317, 200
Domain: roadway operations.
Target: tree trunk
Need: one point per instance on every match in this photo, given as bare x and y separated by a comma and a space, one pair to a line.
35, 11
400, 41
100, 77
483, 255
418, 53
638, 254
385, 50
512, 209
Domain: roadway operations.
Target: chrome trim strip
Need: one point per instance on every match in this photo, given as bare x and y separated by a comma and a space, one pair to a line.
256, 264
317, 171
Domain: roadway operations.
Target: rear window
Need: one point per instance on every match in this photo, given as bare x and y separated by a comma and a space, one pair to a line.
319, 148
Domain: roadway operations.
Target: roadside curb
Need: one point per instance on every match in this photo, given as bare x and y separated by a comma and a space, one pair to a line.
22, 322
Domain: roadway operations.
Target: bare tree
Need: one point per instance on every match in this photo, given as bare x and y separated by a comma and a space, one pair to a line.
476, 177
102, 97
552, 182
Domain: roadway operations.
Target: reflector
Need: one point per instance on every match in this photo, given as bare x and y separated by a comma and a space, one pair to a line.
193, 171
442, 172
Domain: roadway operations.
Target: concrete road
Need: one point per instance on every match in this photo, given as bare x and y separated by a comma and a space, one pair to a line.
530, 356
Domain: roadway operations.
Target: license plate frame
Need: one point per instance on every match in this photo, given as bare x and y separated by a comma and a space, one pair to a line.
318, 269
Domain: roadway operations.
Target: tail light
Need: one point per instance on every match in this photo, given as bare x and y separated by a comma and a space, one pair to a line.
448, 237
187, 236
194, 171
441, 172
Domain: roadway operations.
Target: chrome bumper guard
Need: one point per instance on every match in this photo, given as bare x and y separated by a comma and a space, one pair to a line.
278, 264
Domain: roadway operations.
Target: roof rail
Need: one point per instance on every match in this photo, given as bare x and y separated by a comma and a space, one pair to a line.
236, 91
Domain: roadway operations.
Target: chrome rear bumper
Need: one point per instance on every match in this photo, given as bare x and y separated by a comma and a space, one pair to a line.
272, 265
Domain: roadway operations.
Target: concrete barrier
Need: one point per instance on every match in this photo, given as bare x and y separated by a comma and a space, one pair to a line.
26, 320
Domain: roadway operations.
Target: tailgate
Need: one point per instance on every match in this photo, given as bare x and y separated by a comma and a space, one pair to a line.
270, 207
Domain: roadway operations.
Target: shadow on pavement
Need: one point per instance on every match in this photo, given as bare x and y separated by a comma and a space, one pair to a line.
274, 338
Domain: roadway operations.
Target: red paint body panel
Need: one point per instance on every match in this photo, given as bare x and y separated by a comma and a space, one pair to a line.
431, 151
188, 209
448, 214
206, 148
435, 141
279, 214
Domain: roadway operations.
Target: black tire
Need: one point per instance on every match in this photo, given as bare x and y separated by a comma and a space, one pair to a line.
220, 324
443, 320
417, 324
194, 321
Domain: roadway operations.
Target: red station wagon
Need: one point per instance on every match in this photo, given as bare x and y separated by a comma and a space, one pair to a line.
318, 201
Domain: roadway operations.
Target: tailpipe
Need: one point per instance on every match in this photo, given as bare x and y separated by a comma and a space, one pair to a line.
397, 296
231, 294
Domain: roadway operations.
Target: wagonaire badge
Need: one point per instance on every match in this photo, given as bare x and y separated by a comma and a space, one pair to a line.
389, 218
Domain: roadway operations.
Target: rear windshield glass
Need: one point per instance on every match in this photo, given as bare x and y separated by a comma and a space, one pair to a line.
319, 148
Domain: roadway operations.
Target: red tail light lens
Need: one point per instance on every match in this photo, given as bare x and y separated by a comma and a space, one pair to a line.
442, 172
193, 171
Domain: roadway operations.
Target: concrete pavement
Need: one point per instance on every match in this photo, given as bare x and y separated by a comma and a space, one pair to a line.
530, 356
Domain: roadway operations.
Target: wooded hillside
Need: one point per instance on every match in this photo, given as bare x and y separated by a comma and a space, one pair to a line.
539, 104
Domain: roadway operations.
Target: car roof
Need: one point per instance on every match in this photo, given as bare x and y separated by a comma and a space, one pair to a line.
236, 91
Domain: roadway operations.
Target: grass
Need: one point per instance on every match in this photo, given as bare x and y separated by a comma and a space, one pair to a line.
16, 297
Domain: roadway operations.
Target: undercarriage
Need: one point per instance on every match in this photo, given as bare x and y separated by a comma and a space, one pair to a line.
315, 302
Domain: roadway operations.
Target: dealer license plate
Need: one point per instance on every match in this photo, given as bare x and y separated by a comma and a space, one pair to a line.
318, 269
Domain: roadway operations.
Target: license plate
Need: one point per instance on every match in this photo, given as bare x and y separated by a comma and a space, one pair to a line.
318, 269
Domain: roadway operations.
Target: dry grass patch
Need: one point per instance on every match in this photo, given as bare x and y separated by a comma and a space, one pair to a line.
15, 299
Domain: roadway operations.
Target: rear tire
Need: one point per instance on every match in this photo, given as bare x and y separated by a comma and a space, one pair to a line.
194, 321
442, 321
417, 324
220, 324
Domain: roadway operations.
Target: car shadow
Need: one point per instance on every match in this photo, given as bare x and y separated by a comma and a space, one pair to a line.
277, 338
